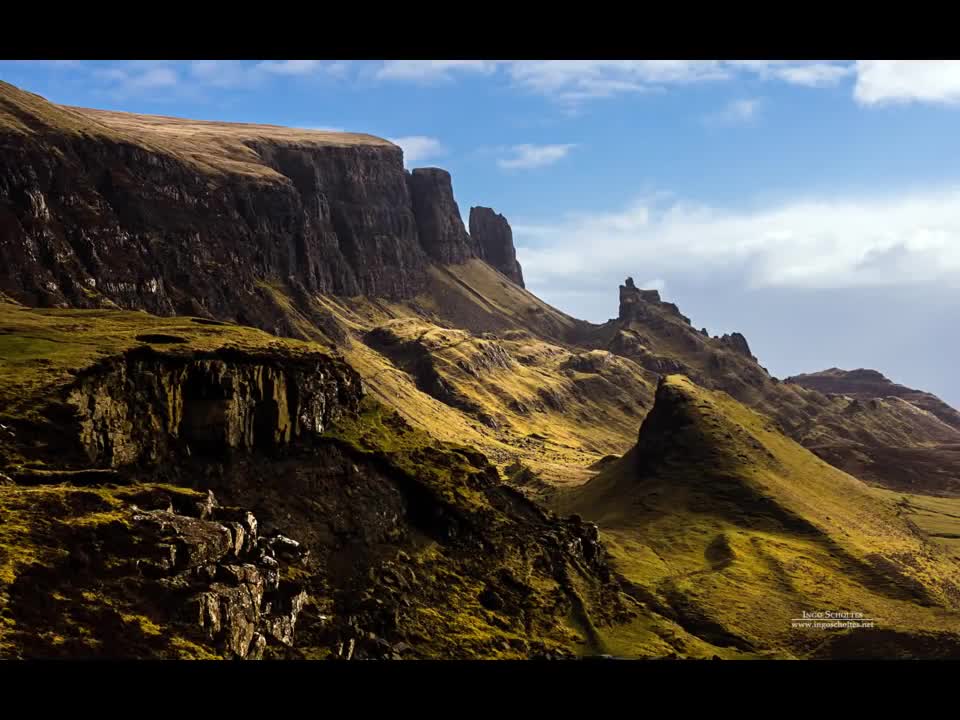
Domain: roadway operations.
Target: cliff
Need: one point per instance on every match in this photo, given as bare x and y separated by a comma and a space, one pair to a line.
495, 238
441, 229
109, 209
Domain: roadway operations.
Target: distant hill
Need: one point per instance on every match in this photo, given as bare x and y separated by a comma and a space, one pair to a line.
870, 384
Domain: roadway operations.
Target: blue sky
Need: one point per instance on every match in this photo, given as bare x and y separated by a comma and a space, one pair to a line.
813, 206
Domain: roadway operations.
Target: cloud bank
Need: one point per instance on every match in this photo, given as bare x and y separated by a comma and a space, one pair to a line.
911, 239
875, 82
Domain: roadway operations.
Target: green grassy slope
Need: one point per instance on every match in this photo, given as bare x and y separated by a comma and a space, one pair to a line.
415, 539
718, 517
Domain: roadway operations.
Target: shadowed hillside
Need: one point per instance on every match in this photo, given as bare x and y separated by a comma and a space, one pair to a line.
870, 385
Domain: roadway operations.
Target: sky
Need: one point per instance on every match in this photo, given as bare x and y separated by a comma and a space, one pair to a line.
813, 206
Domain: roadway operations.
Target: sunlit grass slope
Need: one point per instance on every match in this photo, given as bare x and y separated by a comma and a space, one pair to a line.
717, 517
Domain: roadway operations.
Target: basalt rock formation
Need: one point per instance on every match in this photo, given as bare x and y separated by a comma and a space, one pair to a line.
146, 406
106, 209
738, 343
636, 303
495, 238
438, 217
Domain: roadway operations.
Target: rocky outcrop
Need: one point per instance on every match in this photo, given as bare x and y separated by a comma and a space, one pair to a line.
147, 405
737, 343
230, 574
644, 305
492, 233
438, 218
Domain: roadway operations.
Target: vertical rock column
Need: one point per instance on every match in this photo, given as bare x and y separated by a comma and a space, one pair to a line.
492, 233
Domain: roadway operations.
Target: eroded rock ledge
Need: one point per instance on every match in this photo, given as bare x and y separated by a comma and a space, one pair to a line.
146, 405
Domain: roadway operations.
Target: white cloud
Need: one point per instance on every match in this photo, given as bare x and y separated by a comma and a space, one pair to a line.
569, 82
814, 74
223, 73
534, 156
902, 81
736, 112
153, 78
432, 70
417, 148
191, 77
910, 239
574, 80
807, 73
139, 78
291, 67
325, 128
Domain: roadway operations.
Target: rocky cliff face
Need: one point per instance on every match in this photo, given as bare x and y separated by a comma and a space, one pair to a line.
738, 343
101, 209
644, 305
87, 222
145, 406
438, 217
493, 234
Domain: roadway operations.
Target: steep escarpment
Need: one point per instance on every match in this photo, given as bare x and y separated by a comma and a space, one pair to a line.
493, 234
146, 405
438, 217
107, 209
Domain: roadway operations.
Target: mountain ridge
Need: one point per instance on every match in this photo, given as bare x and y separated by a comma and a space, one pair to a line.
866, 384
